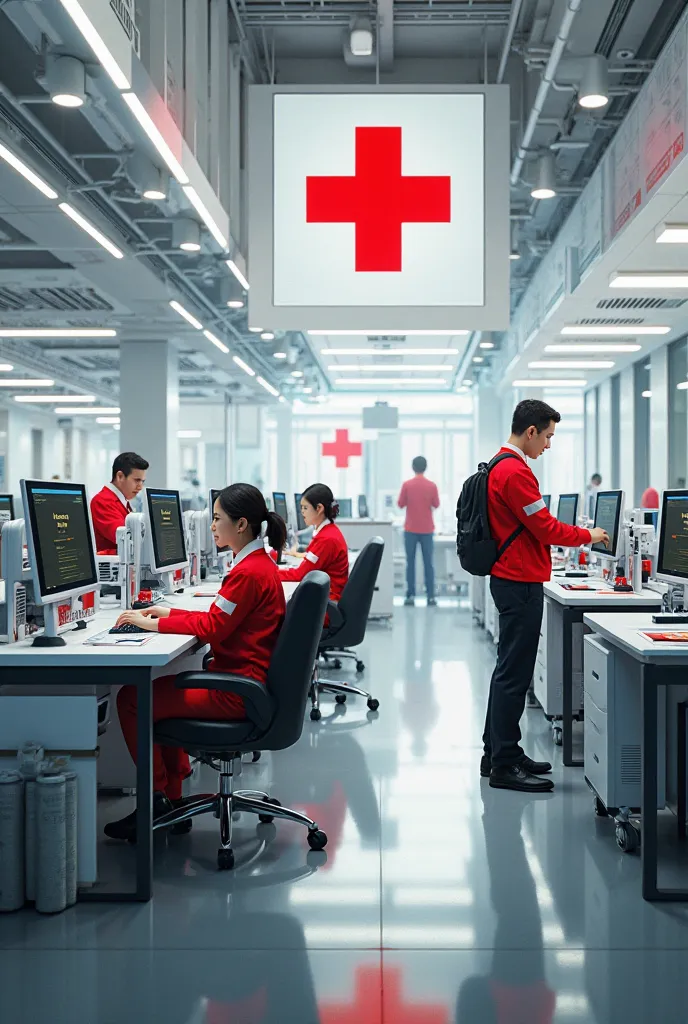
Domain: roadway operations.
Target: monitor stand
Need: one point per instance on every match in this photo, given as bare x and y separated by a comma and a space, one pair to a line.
49, 637
673, 618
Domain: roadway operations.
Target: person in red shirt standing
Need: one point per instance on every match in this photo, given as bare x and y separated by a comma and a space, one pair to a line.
327, 550
517, 510
241, 627
419, 496
111, 506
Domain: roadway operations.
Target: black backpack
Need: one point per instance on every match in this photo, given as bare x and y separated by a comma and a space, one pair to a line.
475, 546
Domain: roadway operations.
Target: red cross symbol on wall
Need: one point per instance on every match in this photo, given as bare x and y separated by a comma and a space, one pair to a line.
342, 448
370, 983
378, 199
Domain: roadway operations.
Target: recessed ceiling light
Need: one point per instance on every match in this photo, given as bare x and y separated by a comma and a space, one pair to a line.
297, 373
667, 279
646, 394
593, 348
514, 255
478, 359
256, 330
573, 382
487, 344
613, 330
571, 364
268, 336
683, 386
381, 368
235, 303
154, 193
672, 234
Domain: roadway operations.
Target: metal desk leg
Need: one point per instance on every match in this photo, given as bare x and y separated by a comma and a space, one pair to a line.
682, 710
569, 617
648, 848
144, 789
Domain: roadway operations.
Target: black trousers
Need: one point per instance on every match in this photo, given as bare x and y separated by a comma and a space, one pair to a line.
520, 608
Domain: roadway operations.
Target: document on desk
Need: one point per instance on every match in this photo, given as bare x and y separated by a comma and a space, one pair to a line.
674, 637
118, 640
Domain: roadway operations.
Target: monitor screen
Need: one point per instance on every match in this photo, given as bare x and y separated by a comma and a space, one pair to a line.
672, 553
167, 532
279, 502
345, 508
362, 507
547, 498
608, 509
567, 509
300, 521
6, 508
60, 537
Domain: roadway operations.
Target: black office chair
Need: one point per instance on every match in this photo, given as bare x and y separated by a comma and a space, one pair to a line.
347, 627
274, 721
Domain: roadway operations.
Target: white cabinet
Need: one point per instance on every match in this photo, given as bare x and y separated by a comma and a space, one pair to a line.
549, 666
357, 533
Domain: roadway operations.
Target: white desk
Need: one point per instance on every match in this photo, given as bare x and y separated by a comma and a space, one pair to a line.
661, 664
570, 607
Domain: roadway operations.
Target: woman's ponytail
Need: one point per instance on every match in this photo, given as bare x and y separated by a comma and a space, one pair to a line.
276, 532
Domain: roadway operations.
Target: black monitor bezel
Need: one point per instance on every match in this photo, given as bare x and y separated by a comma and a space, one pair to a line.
282, 495
300, 521
663, 573
613, 549
575, 509
10, 498
64, 588
163, 565
351, 510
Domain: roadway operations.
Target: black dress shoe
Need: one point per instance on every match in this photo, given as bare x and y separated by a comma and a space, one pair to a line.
125, 828
485, 766
535, 767
182, 828
514, 777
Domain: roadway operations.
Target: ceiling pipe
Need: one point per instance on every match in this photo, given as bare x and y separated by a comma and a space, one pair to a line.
549, 74
508, 39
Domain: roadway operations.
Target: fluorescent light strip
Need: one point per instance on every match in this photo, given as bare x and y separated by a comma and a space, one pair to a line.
5, 382
571, 364
6, 367
574, 382
205, 215
96, 42
244, 366
216, 342
268, 387
383, 382
672, 234
55, 399
650, 280
57, 332
376, 333
683, 386
71, 410
189, 433
242, 281
646, 394
8, 156
592, 349
112, 420
378, 353
178, 308
154, 134
378, 368
91, 230
612, 330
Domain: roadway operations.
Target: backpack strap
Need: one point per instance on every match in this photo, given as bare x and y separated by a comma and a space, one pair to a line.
520, 528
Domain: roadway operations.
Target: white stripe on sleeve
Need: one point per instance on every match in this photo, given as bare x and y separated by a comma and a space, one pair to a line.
311, 557
224, 605
536, 506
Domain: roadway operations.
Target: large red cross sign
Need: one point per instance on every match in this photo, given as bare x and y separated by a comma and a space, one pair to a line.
378, 199
342, 448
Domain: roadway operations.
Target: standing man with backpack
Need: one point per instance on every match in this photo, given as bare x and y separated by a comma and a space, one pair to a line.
506, 531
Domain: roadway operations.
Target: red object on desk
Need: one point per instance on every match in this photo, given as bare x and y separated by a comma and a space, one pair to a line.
145, 595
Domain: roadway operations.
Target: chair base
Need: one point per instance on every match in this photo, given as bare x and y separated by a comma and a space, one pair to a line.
335, 654
341, 692
227, 802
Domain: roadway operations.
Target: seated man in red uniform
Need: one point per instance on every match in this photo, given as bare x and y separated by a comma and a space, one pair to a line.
111, 506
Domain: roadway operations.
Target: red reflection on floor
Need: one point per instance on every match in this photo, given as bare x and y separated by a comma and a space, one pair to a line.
366, 1007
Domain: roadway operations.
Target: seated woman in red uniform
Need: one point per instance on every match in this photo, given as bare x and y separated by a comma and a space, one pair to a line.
241, 627
327, 550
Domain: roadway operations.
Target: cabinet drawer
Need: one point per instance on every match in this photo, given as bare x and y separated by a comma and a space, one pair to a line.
598, 670
596, 748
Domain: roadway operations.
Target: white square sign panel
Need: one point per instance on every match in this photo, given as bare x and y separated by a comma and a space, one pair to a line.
379, 200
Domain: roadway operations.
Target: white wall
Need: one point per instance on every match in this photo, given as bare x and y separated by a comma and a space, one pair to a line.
627, 434
659, 421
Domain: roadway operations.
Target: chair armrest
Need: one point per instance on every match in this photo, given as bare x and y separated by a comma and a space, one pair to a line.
257, 701
334, 614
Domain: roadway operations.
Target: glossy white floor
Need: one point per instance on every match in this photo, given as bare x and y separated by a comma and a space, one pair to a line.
439, 900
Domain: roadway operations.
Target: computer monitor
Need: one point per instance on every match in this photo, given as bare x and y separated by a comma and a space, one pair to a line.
279, 503
672, 547
345, 508
300, 521
59, 537
164, 527
608, 511
363, 512
6, 508
547, 498
567, 509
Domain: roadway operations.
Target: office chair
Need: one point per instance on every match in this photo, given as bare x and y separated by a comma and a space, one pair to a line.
274, 721
348, 621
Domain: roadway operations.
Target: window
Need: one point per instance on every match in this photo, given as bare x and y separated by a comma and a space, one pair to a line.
678, 412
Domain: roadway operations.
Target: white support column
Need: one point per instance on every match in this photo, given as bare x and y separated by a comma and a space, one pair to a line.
283, 417
659, 421
604, 433
219, 90
234, 111
626, 435
149, 400
488, 431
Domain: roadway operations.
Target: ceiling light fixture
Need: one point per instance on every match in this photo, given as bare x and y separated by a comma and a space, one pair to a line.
361, 37
683, 386
256, 330
112, 420
467, 383
244, 366
6, 382
154, 194
55, 399
378, 352
178, 308
672, 234
154, 134
57, 332
380, 368
96, 42
379, 333
601, 348
487, 344
267, 336
91, 230
280, 351
66, 80
546, 187
478, 359
613, 330
573, 382
593, 91
9, 157
297, 373
189, 433
268, 387
646, 394
73, 410
238, 274
6, 367
186, 234
666, 279
205, 215
514, 255
383, 382
571, 364
216, 342
235, 303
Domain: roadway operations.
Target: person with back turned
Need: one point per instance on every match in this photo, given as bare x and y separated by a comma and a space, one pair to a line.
419, 496
523, 530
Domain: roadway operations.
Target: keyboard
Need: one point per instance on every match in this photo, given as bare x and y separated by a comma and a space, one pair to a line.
128, 627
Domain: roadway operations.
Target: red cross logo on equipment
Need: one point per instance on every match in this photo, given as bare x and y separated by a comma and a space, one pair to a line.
378, 199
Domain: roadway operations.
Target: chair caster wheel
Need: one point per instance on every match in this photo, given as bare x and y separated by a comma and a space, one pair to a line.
557, 736
267, 819
341, 698
257, 754
627, 837
316, 714
225, 859
360, 667
317, 840
373, 704
336, 664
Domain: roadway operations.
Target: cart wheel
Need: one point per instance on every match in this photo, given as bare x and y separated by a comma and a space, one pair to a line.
360, 667
225, 859
373, 703
557, 735
317, 840
627, 837
341, 698
600, 810
316, 714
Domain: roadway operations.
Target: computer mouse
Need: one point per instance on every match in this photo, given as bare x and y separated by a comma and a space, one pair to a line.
140, 605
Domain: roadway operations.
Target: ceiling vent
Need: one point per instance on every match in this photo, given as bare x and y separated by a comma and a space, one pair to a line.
33, 300
602, 321
641, 303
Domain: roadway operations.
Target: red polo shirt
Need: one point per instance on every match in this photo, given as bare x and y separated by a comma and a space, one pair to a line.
108, 512
419, 497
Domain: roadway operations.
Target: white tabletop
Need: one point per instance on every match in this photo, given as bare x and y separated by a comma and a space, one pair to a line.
599, 597
626, 631
200, 598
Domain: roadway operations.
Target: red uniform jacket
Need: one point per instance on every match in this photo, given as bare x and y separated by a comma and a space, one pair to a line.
108, 512
513, 497
327, 552
244, 621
